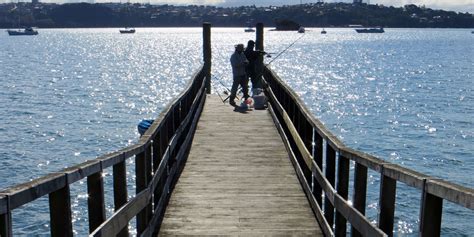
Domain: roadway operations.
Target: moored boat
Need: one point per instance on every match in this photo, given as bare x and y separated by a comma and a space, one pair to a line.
127, 30
370, 30
301, 30
249, 29
26, 31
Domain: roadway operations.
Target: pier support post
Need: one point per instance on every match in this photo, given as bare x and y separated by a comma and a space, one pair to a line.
430, 214
388, 188
343, 190
60, 212
6, 224
318, 158
95, 201
259, 46
360, 193
331, 177
120, 190
207, 53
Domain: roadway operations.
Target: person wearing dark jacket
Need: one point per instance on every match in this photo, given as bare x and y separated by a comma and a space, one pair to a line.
251, 69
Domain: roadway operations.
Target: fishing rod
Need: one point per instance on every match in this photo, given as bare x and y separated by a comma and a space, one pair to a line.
284, 50
223, 101
278, 55
226, 92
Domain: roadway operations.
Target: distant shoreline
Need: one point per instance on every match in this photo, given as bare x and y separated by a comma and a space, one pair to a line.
327, 15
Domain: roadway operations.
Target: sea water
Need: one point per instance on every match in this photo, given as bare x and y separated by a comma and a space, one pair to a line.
70, 95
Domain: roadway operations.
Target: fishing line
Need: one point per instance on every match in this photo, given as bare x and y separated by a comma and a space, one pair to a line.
284, 50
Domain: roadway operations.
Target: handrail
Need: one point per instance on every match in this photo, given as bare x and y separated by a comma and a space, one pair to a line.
304, 133
162, 150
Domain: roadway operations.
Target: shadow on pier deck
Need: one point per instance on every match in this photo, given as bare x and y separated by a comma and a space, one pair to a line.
238, 180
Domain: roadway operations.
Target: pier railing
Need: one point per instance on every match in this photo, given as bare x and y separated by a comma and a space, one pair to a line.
307, 138
159, 156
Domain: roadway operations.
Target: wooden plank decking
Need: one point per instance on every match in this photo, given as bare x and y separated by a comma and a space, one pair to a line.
238, 180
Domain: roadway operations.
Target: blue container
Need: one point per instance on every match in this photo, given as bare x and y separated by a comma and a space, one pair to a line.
144, 125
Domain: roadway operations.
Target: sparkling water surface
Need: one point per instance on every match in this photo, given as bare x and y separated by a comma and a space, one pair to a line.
70, 95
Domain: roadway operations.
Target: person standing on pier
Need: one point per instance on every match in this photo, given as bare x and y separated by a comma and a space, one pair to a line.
252, 56
239, 63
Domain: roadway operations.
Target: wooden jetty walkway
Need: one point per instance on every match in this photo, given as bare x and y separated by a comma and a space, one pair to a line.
238, 180
203, 169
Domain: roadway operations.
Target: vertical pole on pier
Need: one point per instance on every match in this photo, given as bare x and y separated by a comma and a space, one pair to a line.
388, 189
120, 190
343, 190
60, 212
141, 183
318, 158
360, 193
331, 177
95, 201
430, 214
5, 217
259, 37
259, 46
206, 34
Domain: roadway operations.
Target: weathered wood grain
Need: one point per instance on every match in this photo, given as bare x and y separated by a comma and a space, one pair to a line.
238, 180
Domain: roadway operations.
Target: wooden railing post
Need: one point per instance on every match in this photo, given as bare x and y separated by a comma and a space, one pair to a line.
343, 191
141, 184
318, 158
388, 188
430, 214
6, 224
5, 217
360, 192
330, 176
157, 154
120, 190
206, 34
60, 212
149, 176
95, 201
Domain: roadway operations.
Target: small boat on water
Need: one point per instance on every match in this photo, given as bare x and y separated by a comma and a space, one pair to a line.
127, 30
301, 30
26, 31
323, 31
370, 30
249, 29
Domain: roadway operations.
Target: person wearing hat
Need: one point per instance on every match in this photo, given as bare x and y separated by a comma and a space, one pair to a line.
239, 63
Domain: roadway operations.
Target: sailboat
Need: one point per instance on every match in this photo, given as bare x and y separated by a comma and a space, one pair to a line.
25, 31
323, 31
127, 30
249, 27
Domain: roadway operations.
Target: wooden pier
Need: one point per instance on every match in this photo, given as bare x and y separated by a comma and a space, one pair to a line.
238, 180
204, 169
